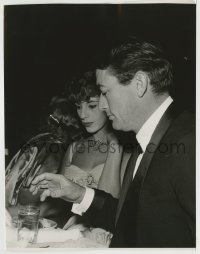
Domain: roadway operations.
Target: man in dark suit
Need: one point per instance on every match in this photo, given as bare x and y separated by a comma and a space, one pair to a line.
157, 202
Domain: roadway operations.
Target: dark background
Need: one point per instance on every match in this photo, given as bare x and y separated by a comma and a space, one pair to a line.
46, 45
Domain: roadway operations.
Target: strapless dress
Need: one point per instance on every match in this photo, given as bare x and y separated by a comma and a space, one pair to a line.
82, 177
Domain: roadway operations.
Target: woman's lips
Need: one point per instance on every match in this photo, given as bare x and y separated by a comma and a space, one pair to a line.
87, 124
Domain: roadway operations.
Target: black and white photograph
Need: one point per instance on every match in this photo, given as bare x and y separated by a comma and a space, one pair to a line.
100, 125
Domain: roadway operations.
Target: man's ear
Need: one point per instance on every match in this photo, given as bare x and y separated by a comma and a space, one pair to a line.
141, 81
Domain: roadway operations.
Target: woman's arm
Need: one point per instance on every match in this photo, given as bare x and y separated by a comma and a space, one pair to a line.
67, 159
110, 178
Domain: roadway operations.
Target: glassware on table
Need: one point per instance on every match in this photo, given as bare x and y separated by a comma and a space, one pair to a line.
28, 220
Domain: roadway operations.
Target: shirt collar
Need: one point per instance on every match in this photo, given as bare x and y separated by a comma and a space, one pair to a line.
144, 135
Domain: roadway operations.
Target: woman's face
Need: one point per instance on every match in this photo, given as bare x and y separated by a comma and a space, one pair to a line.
92, 118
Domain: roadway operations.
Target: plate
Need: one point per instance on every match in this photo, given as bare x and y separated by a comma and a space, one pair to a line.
46, 223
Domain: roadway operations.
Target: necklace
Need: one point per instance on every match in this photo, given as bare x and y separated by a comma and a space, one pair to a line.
95, 144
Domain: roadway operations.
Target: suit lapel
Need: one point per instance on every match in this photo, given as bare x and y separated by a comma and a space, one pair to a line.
137, 183
127, 181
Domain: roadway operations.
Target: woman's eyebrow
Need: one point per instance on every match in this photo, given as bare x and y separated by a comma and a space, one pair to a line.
93, 100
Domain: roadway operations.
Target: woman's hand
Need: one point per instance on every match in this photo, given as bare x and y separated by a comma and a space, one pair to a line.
57, 186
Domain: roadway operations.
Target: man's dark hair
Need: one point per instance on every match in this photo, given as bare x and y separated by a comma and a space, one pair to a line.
131, 57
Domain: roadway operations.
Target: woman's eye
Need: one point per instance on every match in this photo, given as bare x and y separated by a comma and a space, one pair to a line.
78, 107
92, 106
104, 93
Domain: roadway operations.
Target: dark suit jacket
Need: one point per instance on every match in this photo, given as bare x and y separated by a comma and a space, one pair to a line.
160, 210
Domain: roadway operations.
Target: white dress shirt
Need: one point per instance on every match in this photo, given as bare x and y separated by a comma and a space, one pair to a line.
143, 137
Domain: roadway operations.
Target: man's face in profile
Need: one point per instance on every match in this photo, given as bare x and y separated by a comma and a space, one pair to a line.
116, 100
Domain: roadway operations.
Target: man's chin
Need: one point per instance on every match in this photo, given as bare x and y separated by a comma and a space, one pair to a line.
119, 127
116, 125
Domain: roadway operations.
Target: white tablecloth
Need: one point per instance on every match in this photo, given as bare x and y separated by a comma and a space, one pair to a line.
52, 238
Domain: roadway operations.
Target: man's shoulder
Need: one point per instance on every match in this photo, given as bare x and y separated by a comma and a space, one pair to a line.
183, 123
178, 143
181, 133
186, 119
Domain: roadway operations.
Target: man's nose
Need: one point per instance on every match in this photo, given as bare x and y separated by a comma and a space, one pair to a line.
103, 104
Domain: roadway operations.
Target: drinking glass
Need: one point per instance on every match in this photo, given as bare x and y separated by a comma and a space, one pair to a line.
28, 220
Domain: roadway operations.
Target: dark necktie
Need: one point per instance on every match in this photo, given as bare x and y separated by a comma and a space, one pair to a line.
128, 177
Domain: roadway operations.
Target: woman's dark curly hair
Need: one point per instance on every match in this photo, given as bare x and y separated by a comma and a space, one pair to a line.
62, 118
82, 88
